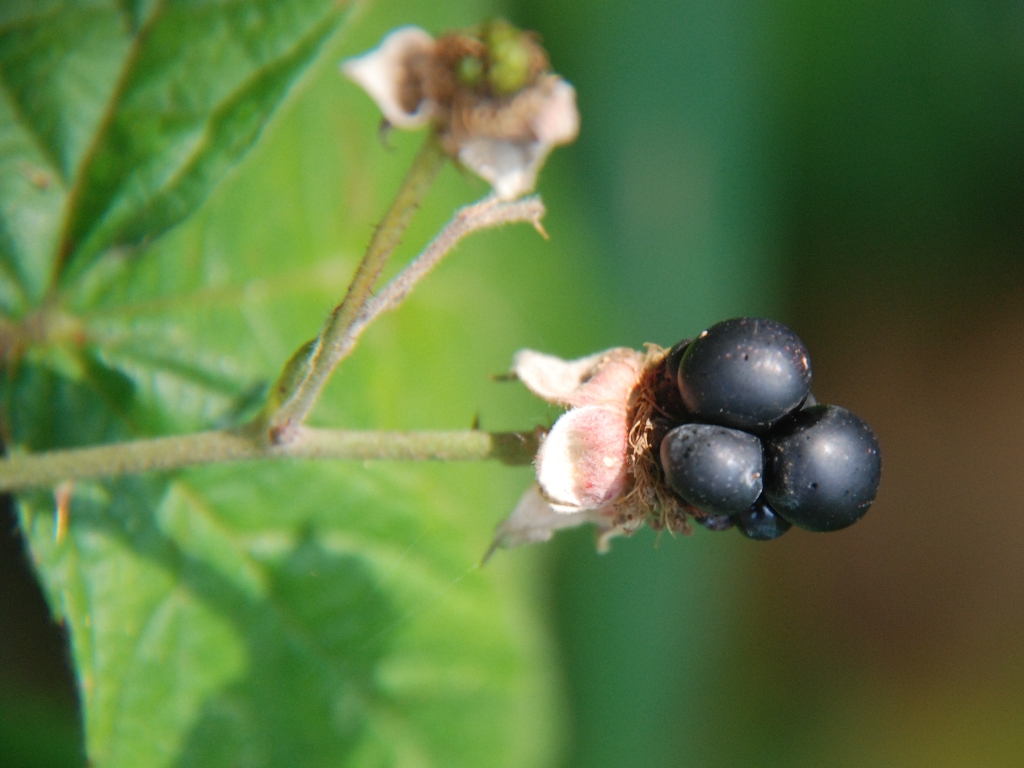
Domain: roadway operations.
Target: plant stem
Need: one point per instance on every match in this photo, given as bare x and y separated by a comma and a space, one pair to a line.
288, 437
51, 468
330, 346
489, 212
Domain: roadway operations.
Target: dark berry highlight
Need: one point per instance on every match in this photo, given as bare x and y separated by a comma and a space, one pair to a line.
823, 468
743, 441
760, 522
714, 468
745, 373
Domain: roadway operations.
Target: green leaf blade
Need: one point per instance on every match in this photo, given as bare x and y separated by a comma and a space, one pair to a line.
199, 85
125, 115
278, 613
60, 67
303, 634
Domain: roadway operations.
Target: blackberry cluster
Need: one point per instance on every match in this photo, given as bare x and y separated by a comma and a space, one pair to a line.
745, 443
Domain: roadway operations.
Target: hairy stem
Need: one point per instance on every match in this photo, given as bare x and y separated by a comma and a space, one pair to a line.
165, 453
489, 212
288, 437
330, 346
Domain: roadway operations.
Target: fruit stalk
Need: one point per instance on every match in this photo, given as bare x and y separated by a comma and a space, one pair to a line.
360, 307
332, 345
47, 469
489, 212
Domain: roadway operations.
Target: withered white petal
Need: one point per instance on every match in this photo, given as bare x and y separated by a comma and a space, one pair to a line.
584, 466
558, 122
380, 73
511, 166
581, 464
534, 520
550, 377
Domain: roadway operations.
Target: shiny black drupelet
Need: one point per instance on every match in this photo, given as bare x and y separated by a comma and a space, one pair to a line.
760, 522
713, 468
823, 468
746, 373
743, 421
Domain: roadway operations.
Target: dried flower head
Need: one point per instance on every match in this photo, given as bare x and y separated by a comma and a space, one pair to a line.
487, 92
595, 465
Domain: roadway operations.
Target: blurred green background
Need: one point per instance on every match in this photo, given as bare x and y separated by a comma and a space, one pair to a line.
855, 169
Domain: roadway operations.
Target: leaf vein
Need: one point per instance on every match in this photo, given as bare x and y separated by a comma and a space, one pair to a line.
65, 244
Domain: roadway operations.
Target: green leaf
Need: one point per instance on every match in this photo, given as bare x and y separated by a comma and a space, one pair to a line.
220, 621
298, 614
117, 119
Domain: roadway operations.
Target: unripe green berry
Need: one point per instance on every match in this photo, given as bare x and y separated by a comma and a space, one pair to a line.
470, 70
510, 56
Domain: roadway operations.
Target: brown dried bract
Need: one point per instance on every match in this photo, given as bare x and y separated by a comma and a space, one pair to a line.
416, 74
648, 498
474, 110
487, 94
507, 119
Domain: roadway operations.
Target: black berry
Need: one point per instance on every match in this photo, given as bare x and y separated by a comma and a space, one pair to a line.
716, 522
745, 373
761, 522
822, 468
714, 468
675, 355
665, 384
